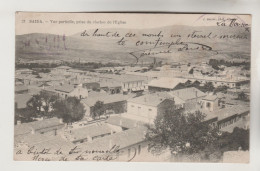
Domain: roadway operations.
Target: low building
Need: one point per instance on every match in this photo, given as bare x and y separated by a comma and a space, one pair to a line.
50, 127
111, 87
67, 90
147, 107
44, 144
123, 123
128, 145
128, 82
21, 89
61, 69
210, 103
227, 118
90, 133
91, 85
21, 100
191, 96
23, 71
165, 84
113, 104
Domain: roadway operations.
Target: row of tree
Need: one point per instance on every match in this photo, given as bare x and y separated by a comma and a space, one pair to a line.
48, 105
216, 63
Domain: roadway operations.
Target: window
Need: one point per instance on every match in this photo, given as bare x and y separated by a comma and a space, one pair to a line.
139, 149
150, 110
129, 152
132, 106
208, 105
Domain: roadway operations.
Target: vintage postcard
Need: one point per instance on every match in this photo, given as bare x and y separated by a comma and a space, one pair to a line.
132, 87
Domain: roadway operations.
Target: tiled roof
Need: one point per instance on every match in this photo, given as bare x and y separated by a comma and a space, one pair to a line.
230, 111
110, 84
41, 141
148, 99
188, 93
124, 78
210, 97
123, 122
90, 131
63, 67
21, 100
226, 112
169, 95
104, 97
166, 82
65, 88
36, 125
20, 88
22, 129
122, 139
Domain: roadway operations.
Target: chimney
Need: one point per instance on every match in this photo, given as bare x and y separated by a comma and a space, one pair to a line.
60, 120
144, 133
120, 122
18, 122
111, 132
32, 131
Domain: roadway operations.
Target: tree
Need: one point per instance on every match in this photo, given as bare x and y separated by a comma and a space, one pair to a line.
35, 104
98, 110
238, 139
42, 101
47, 100
191, 71
222, 89
242, 96
181, 133
70, 109
208, 86
24, 115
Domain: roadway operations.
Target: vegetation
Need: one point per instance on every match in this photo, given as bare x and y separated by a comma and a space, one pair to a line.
179, 132
222, 89
242, 96
69, 109
191, 71
187, 135
42, 104
97, 110
216, 63
44, 67
47, 105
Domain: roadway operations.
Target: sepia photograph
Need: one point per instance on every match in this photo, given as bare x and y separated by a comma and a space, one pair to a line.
132, 87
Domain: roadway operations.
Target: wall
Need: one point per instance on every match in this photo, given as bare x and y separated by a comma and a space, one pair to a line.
148, 113
79, 92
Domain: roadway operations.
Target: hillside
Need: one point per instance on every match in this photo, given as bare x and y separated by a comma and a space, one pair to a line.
38, 46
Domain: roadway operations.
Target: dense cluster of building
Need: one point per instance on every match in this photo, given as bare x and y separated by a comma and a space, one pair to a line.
133, 97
